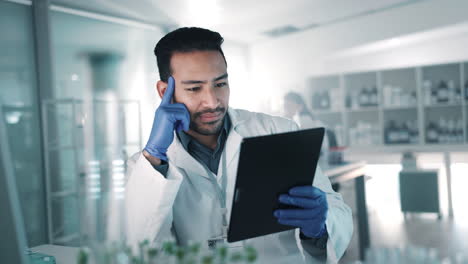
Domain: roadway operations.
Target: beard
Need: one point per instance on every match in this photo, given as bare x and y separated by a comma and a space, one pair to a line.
208, 128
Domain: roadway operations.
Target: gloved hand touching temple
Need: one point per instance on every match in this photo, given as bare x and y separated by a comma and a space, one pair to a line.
311, 215
168, 117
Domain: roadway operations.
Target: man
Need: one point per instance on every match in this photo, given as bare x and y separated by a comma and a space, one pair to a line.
181, 185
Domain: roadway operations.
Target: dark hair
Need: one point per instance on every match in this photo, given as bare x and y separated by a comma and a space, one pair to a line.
297, 99
186, 39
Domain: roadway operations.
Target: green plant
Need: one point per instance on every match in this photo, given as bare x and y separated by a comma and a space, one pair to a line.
170, 252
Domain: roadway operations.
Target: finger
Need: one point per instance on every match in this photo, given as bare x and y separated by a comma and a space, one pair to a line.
179, 127
307, 191
178, 106
182, 118
177, 115
290, 222
169, 93
306, 203
186, 121
298, 213
183, 109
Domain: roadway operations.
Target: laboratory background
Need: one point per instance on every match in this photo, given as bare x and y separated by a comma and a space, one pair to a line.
388, 79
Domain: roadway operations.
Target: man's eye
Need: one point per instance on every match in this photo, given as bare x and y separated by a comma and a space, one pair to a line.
219, 85
193, 89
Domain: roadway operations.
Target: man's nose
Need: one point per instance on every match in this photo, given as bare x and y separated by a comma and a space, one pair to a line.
210, 98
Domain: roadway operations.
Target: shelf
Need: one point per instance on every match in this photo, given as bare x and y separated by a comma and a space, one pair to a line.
319, 111
369, 109
404, 96
400, 108
399, 86
401, 148
402, 144
445, 143
443, 105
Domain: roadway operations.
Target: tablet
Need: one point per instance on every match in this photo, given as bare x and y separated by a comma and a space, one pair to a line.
269, 166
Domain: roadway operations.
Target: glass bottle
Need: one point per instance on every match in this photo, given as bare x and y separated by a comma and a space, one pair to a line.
427, 88
389, 132
404, 133
459, 129
413, 99
413, 132
432, 133
442, 92
363, 97
349, 101
451, 91
325, 100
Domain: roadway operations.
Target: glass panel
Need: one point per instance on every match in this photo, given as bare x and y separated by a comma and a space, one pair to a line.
444, 124
105, 71
441, 84
401, 126
110, 69
361, 90
65, 219
326, 93
364, 128
399, 88
18, 93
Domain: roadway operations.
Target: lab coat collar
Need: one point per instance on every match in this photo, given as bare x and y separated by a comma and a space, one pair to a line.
236, 117
234, 139
179, 157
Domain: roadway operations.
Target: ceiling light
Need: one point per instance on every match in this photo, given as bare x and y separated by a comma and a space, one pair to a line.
395, 42
202, 13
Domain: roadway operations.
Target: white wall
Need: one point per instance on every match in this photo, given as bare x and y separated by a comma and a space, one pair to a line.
402, 52
238, 70
284, 64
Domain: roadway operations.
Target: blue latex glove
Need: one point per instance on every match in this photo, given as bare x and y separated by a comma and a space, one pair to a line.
311, 215
168, 117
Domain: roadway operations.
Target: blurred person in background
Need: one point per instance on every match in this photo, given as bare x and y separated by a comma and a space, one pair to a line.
296, 109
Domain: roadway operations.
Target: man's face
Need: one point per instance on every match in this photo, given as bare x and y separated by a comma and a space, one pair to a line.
201, 84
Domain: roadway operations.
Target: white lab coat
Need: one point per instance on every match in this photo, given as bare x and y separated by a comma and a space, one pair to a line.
184, 205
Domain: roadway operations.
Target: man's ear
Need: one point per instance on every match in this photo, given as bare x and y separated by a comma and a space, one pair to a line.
161, 87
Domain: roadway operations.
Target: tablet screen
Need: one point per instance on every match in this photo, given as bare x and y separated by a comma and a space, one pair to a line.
269, 166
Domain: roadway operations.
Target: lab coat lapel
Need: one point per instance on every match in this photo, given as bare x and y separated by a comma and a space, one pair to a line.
183, 160
234, 139
232, 146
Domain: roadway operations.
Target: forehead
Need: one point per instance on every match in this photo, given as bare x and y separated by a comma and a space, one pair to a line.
202, 64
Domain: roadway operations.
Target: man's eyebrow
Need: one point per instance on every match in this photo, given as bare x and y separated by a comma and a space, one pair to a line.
224, 76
